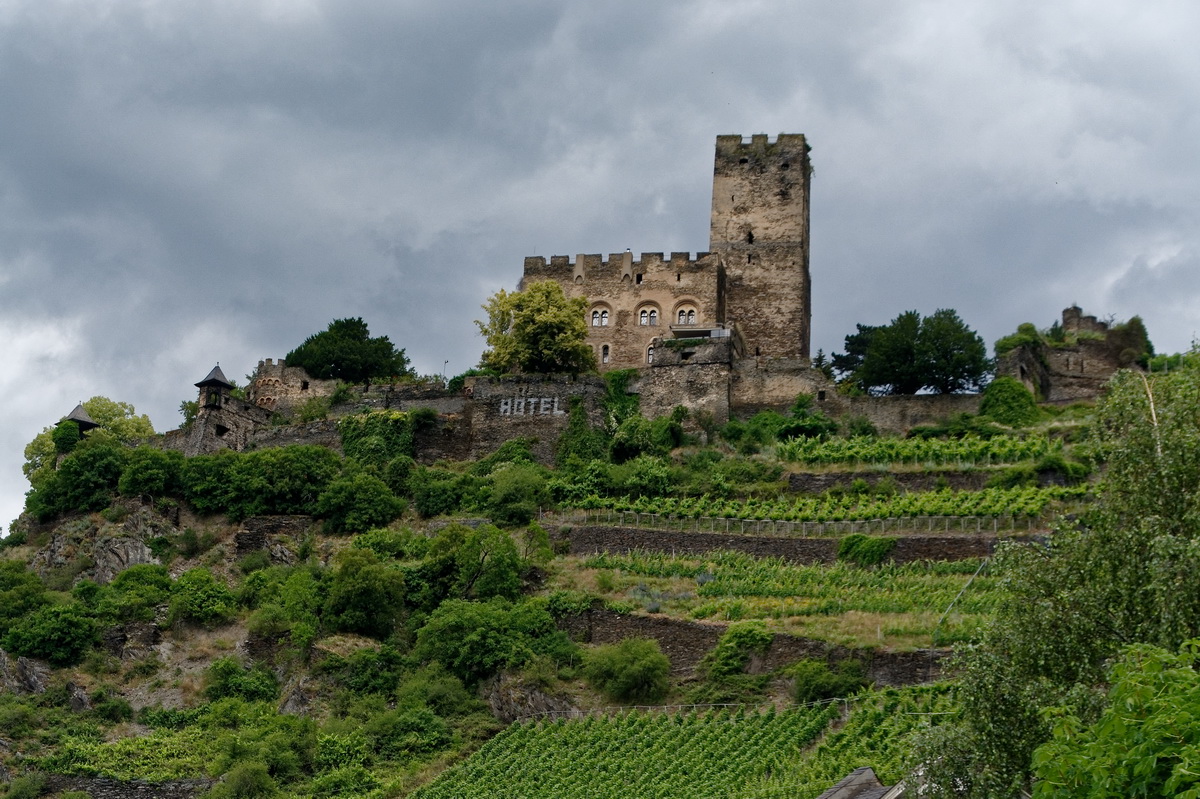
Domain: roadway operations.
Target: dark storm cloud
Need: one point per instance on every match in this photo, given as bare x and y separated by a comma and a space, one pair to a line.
183, 183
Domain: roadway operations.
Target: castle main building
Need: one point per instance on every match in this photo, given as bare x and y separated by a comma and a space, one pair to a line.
752, 286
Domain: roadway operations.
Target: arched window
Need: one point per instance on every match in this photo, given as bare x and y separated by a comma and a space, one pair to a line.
604, 354
595, 319
604, 319
653, 317
691, 317
650, 354
682, 317
644, 318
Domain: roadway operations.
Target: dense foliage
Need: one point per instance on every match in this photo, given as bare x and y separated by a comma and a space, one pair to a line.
346, 351
938, 352
1124, 575
536, 331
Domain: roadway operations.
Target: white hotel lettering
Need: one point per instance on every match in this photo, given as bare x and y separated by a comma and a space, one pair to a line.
531, 406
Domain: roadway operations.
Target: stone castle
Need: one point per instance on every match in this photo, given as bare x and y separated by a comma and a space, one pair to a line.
751, 286
724, 334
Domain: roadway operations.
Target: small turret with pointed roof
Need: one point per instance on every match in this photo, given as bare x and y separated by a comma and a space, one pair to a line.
215, 379
214, 388
81, 418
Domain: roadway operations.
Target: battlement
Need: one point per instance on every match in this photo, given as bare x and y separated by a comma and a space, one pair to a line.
617, 264
760, 142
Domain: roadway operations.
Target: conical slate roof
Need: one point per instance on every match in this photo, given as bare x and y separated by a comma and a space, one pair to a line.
215, 378
80, 417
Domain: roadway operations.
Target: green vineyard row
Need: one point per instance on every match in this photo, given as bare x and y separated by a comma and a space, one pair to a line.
933, 451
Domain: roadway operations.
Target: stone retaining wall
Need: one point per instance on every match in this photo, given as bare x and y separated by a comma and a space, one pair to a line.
103, 788
685, 643
590, 539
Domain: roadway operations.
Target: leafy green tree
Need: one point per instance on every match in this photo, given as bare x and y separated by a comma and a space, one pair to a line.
356, 503
635, 670
1124, 575
228, 677
117, 420
1145, 743
517, 492
488, 565
346, 351
536, 331
365, 596
952, 356
86, 480
152, 472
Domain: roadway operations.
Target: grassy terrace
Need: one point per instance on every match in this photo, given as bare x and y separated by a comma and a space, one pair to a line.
894, 606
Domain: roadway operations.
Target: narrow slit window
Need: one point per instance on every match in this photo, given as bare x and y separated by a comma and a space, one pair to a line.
650, 355
604, 354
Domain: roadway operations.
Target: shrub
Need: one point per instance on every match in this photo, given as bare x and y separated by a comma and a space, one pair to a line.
65, 437
399, 471
408, 732
399, 544
247, 780
356, 503
207, 481
227, 677
1007, 401
198, 597
280, 481
519, 490
473, 640
816, 680
135, 592
59, 634
865, 550
312, 409
731, 654
634, 670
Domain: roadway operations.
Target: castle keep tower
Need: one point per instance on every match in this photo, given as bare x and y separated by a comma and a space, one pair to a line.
751, 289
760, 231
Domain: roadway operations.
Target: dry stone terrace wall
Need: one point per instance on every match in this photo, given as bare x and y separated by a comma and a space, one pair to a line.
102, 788
592, 539
686, 643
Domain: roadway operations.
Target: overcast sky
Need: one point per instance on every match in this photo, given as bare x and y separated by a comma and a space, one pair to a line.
187, 183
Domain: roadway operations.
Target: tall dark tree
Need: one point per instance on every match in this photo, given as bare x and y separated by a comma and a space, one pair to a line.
939, 353
345, 351
951, 357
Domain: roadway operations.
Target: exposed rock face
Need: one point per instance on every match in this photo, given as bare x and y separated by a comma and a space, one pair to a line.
106, 549
510, 698
22, 675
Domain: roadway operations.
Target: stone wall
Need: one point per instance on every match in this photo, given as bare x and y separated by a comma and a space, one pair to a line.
900, 414
591, 539
685, 643
321, 433
819, 482
695, 376
534, 407
774, 383
103, 788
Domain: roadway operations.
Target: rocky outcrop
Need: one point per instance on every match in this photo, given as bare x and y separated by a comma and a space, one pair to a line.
23, 675
511, 698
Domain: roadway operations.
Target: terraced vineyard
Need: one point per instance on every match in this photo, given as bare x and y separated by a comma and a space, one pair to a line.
724, 753
898, 605
932, 451
636, 755
1027, 501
